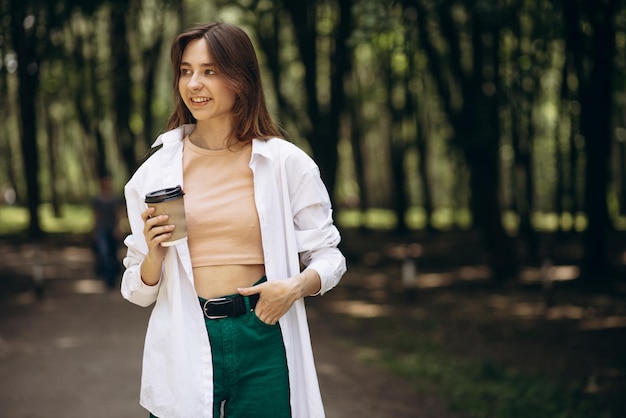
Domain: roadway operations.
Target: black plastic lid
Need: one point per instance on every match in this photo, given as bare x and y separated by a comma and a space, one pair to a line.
163, 195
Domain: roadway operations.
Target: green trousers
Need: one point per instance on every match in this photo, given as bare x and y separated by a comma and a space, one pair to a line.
250, 375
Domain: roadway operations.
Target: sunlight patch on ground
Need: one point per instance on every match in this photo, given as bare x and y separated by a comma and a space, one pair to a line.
368, 353
478, 272
400, 252
519, 309
360, 309
430, 280
566, 312
603, 323
527, 309
67, 342
327, 369
554, 273
89, 287
444, 279
77, 254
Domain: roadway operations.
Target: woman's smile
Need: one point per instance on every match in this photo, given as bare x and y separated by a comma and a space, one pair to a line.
200, 101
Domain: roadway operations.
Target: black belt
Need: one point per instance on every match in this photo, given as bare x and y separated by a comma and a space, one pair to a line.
227, 307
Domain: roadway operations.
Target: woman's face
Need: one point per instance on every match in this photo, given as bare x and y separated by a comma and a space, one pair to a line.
203, 90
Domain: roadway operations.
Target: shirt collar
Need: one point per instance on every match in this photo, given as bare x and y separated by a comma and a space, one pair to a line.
260, 147
174, 135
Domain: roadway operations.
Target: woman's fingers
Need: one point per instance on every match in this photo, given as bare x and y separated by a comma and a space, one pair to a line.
156, 230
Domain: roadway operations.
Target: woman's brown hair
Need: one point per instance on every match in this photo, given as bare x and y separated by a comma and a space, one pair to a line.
234, 57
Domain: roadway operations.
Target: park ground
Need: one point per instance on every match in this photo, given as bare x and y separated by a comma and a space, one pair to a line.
72, 349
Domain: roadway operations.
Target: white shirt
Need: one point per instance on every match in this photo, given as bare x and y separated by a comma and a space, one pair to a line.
296, 227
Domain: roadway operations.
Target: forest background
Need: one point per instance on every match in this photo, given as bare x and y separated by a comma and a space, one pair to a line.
493, 132
507, 118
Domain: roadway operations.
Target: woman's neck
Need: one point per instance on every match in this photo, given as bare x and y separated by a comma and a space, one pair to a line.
212, 136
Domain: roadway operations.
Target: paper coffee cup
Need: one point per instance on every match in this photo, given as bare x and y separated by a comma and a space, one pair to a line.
170, 202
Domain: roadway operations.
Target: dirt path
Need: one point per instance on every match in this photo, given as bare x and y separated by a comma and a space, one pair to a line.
77, 352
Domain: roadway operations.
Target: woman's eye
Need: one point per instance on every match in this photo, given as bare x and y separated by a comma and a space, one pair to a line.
209, 72
184, 71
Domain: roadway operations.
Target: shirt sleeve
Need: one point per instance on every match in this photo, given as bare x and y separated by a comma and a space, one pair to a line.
133, 288
316, 234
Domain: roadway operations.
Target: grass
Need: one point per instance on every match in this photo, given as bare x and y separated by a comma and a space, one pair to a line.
476, 388
489, 390
74, 219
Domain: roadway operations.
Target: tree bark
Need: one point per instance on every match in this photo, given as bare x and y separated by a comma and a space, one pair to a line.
594, 62
122, 84
356, 138
25, 44
6, 147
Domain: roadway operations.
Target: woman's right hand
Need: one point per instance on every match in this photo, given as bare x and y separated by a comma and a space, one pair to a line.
156, 230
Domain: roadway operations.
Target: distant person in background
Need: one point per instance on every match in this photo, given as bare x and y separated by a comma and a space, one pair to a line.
107, 207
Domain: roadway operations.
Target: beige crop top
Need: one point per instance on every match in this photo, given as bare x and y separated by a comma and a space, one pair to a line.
222, 221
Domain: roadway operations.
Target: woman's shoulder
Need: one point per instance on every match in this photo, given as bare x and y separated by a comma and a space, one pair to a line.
286, 150
163, 147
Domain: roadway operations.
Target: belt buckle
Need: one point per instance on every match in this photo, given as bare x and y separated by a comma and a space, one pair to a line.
222, 301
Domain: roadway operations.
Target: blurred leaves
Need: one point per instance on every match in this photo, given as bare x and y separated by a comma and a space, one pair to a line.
478, 109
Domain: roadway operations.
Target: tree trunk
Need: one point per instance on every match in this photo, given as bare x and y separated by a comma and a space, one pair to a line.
356, 138
150, 56
421, 140
421, 123
6, 142
397, 147
485, 203
25, 44
52, 154
621, 145
323, 135
122, 84
595, 122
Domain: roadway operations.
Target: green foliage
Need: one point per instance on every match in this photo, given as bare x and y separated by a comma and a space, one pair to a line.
436, 88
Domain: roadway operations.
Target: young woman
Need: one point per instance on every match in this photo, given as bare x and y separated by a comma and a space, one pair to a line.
228, 333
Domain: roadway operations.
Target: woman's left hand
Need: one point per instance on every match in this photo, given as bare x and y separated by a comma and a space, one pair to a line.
275, 298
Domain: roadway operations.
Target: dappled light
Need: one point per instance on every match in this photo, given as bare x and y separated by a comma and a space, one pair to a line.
67, 342
603, 323
566, 312
87, 286
77, 254
472, 273
429, 280
553, 273
360, 309
506, 307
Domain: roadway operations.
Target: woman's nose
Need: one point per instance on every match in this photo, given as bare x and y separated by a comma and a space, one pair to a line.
194, 83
